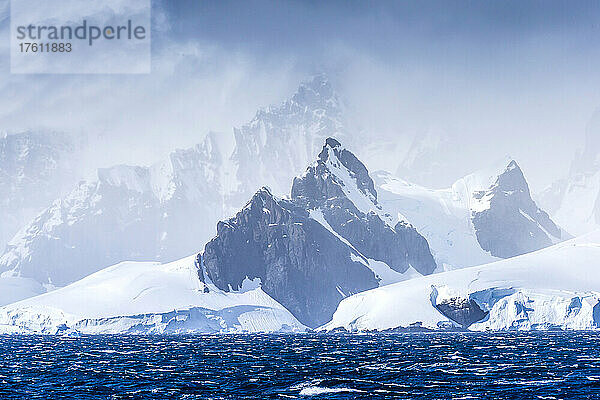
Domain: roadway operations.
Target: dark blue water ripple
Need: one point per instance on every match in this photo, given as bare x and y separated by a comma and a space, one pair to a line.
406, 366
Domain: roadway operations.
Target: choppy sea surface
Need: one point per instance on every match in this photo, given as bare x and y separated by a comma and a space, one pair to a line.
370, 366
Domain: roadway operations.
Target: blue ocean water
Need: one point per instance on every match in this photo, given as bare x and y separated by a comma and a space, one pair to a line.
370, 366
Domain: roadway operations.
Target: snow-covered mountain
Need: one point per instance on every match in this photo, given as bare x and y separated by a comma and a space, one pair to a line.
35, 169
331, 239
164, 212
484, 216
335, 234
130, 213
574, 201
557, 287
507, 221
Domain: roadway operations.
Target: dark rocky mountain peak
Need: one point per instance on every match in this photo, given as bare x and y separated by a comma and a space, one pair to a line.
335, 174
298, 261
309, 264
507, 221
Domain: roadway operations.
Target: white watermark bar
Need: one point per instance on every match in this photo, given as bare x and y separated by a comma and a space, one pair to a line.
80, 36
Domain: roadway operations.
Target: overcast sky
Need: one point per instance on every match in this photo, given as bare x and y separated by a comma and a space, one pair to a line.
510, 77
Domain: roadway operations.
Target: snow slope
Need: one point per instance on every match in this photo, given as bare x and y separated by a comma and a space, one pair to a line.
161, 213
556, 287
481, 218
14, 288
148, 297
579, 210
441, 216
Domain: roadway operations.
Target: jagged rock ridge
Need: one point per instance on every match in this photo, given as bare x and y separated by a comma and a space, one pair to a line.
507, 221
370, 230
306, 265
299, 262
484, 216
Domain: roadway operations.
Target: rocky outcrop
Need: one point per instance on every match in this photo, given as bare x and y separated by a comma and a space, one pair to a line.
299, 262
462, 311
306, 264
331, 185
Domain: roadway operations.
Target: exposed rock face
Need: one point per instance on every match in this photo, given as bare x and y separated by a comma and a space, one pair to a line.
507, 221
300, 263
330, 184
462, 311
307, 265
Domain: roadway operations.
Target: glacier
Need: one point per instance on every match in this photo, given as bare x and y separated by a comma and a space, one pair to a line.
553, 288
148, 298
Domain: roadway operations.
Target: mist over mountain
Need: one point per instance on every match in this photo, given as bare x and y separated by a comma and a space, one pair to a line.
495, 85
574, 199
299, 199
307, 260
166, 211
35, 169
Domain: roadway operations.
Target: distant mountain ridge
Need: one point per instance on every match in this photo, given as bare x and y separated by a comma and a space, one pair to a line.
163, 212
574, 201
170, 209
313, 260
